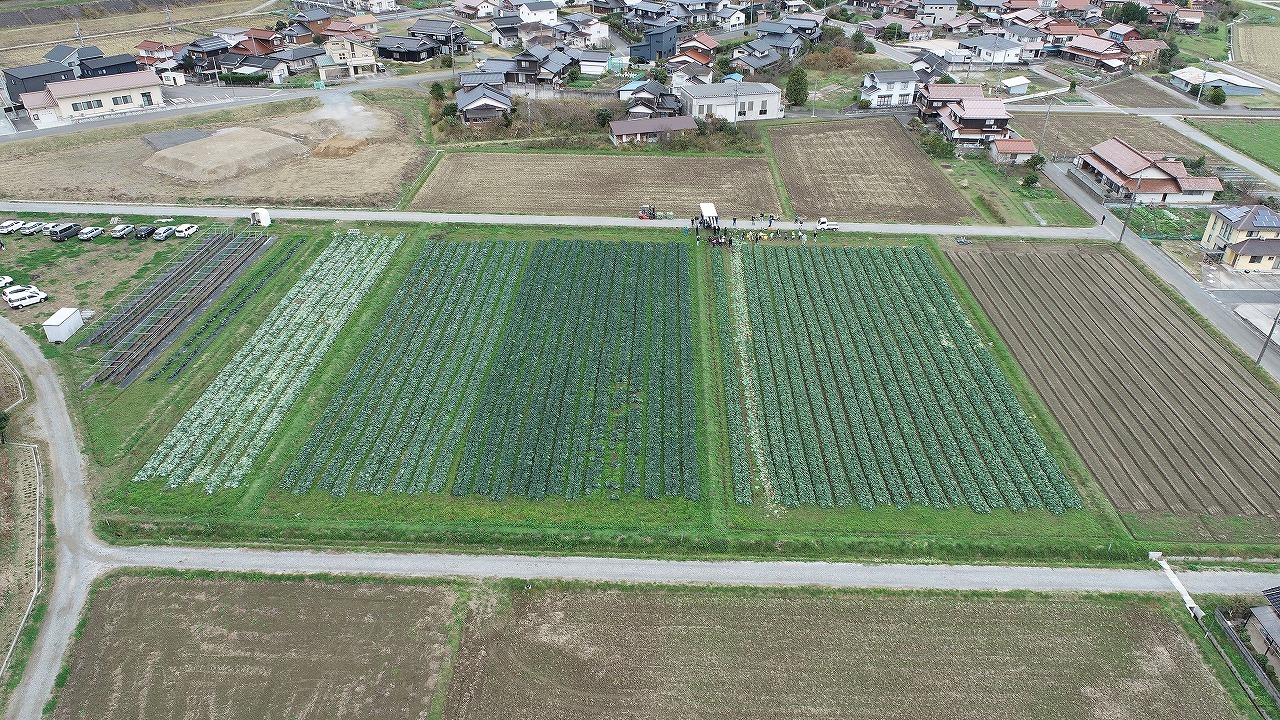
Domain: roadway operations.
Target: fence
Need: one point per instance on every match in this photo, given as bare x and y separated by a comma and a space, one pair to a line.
1247, 652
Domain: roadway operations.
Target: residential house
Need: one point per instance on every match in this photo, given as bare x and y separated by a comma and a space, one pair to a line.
649, 99
649, 130
301, 59
541, 11
475, 9
1188, 78
889, 88
643, 15
482, 103
731, 17
989, 9
505, 31
961, 24
658, 43
689, 74
525, 70
606, 7
452, 38
553, 64
993, 50
1028, 16
937, 12
1142, 52
1012, 151
367, 23
347, 56
371, 6
591, 63
733, 101
1118, 170
692, 12
1234, 226
1077, 9
344, 28
1096, 52
1120, 32
701, 42
407, 49
232, 35
269, 69
297, 34
204, 55
70, 57
932, 98
33, 78
111, 65
1059, 33
158, 55
580, 30
929, 66
974, 122
59, 103
1029, 39
476, 78
755, 56
1189, 19
1253, 255
316, 19
258, 41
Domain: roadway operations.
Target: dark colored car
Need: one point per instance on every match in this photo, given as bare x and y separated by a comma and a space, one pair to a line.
144, 231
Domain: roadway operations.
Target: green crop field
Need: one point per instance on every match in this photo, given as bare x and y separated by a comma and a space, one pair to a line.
1259, 139
492, 385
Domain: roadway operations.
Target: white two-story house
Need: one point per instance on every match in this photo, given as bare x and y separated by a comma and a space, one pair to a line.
889, 88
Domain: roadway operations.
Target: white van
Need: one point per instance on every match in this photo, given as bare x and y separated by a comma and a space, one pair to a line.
17, 290
9, 226
29, 298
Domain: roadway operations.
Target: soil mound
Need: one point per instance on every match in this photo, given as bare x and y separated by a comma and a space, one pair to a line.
339, 147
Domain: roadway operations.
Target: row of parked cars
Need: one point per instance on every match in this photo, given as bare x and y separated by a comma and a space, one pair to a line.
20, 296
59, 232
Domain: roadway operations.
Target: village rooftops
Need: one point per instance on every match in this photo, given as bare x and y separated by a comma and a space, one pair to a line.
674, 123
1140, 46
940, 92
1092, 44
979, 109
62, 54
726, 89
1198, 76
537, 5
26, 72
1121, 163
1014, 146
55, 91
989, 42
312, 15
1257, 246
400, 42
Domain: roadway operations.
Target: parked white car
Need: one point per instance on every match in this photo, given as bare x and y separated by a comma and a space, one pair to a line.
121, 231
16, 290
186, 231
33, 228
5, 281
163, 233
28, 298
90, 232
9, 226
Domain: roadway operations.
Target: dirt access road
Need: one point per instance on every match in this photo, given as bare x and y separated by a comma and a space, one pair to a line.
82, 557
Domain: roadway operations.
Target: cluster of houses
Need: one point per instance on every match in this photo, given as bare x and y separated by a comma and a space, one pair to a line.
73, 83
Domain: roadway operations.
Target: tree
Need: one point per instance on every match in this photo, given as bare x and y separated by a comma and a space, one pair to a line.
892, 33
946, 79
437, 90
446, 61
859, 40
1031, 181
603, 116
1036, 162
938, 146
4, 424
280, 25
449, 110
660, 75
797, 92
1072, 88
1132, 13
1217, 96
723, 66
574, 73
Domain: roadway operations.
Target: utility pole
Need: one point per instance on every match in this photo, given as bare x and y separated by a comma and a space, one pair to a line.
1133, 198
1044, 131
1267, 343
79, 35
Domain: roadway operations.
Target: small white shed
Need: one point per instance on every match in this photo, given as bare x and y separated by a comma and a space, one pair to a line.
63, 325
173, 78
260, 217
1016, 85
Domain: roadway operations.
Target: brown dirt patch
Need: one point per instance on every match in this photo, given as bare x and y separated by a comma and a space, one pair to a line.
1145, 395
116, 169
19, 476
178, 648
228, 153
863, 170
339, 147
1256, 45
1073, 133
601, 655
602, 185
1134, 93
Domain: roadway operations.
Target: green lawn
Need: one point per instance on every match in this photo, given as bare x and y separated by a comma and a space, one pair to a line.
1259, 139
998, 195
1204, 45
122, 426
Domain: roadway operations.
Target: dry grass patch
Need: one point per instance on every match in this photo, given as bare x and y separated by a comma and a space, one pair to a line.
865, 170
1073, 133
1256, 46
602, 185
1134, 93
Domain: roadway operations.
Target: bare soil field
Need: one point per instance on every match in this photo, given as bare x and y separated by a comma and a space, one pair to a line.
179, 648
1152, 403
1256, 49
604, 655
19, 510
839, 170
1131, 92
1073, 133
601, 185
118, 168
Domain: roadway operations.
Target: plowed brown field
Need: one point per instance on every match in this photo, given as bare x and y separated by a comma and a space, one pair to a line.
1167, 420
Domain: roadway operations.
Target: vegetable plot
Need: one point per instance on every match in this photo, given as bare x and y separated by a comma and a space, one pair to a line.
876, 390
217, 440
556, 370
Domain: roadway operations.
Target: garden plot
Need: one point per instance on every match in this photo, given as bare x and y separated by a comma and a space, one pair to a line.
600, 185
839, 170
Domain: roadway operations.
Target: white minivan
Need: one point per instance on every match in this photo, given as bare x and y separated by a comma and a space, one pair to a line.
32, 297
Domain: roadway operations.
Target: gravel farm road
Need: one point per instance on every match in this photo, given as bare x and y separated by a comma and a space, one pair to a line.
82, 557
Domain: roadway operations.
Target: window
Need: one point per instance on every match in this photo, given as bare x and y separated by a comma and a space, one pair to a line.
751, 105
122, 100
742, 108
883, 100
1255, 259
764, 107
146, 100
86, 105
